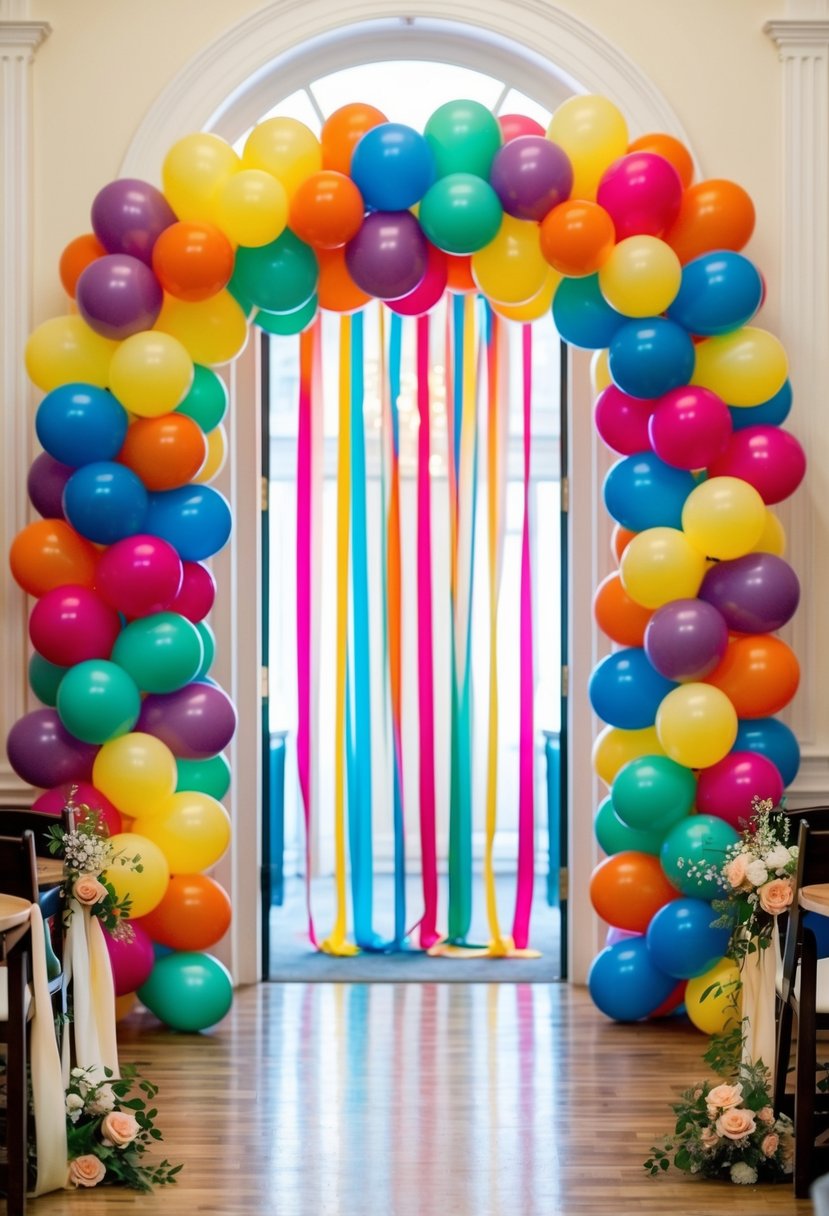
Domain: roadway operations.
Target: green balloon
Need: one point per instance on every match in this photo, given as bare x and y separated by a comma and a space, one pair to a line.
652, 793
279, 277
44, 679
460, 213
701, 841
98, 701
188, 990
464, 137
616, 837
247, 306
210, 776
206, 403
284, 324
208, 641
161, 652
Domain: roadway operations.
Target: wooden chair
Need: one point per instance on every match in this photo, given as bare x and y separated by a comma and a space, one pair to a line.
803, 993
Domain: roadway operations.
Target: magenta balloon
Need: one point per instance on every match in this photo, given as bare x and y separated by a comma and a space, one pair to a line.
197, 594
757, 593
513, 125
118, 295
196, 721
727, 788
429, 290
767, 457
52, 802
70, 624
690, 427
641, 192
139, 575
129, 215
685, 639
388, 256
131, 958
45, 483
622, 421
43, 753
531, 175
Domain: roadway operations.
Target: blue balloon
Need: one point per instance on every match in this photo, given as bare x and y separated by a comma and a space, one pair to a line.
681, 940
773, 739
773, 412
105, 502
196, 520
643, 491
626, 691
720, 291
624, 983
392, 166
820, 927
647, 358
583, 316
79, 423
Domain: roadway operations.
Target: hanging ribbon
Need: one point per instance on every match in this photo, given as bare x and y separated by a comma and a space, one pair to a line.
89, 1038
45, 1068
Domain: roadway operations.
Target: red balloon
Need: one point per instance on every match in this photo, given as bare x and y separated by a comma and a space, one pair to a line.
197, 594
429, 290
622, 421
513, 125
52, 802
140, 575
727, 788
767, 457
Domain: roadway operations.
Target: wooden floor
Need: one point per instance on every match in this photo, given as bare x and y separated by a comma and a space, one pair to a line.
418, 1100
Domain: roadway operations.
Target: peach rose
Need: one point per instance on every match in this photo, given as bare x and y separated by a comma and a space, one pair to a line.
769, 1146
119, 1128
735, 871
775, 896
86, 1171
709, 1138
766, 1115
88, 891
722, 1097
736, 1123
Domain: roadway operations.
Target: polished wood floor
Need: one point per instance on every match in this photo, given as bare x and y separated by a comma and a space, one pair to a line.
418, 1100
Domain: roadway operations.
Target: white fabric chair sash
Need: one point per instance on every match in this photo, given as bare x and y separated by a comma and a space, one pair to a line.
92, 1028
47, 1083
758, 972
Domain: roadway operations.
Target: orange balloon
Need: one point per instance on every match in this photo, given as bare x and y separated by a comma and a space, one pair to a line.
617, 615
671, 149
336, 290
576, 237
758, 673
194, 913
165, 452
628, 888
326, 210
342, 130
717, 214
459, 273
76, 257
124, 1005
193, 261
49, 553
620, 538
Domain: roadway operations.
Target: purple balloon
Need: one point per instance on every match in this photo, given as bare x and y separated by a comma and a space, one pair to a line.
196, 721
756, 593
45, 483
118, 295
388, 256
43, 752
531, 175
685, 639
129, 215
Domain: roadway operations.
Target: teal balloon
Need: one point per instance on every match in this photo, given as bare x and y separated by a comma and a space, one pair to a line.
699, 840
98, 700
188, 990
208, 641
280, 276
161, 652
460, 213
210, 776
247, 306
614, 836
464, 137
653, 793
285, 324
44, 679
206, 402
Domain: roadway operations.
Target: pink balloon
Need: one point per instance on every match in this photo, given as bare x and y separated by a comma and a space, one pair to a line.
70, 624
131, 958
139, 575
52, 802
614, 935
690, 427
429, 290
767, 457
727, 788
197, 594
622, 421
641, 192
513, 125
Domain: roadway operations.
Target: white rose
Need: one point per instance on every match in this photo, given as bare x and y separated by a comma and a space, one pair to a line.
793, 852
743, 1174
74, 1107
757, 874
777, 858
102, 1102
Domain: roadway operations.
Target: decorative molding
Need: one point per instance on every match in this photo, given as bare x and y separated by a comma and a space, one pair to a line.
797, 33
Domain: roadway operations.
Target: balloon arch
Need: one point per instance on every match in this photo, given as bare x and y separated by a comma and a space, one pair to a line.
638, 263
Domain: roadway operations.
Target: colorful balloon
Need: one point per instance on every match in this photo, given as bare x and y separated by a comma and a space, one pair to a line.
700, 841
510, 269
327, 209
131, 958
464, 137
118, 295
617, 615
642, 193
628, 888
624, 983
659, 565
129, 215
720, 291
648, 358
342, 131
49, 553
64, 350
392, 166
45, 483
622, 421
582, 316
188, 991
161, 652
105, 502
135, 772
652, 793
723, 517
671, 149
577, 237
70, 624
640, 276
460, 213
388, 256
745, 367
165, 452
625, 690
681, 940
195, 722
195, 520
712, 999
98, 701
642, 492
250, 207
210, 776
193, 914
614, 836
759, 673
715, 214
689, 427
767, 457
43, 753
79, 423
728, 788
774, 739
143, 887
197, 594
685, 639
593, 133
696, 725
757, 593
150, 373
285, 148
531, 175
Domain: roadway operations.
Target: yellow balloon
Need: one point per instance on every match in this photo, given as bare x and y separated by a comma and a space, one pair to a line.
659, 565
511, 268
145, 887
194, 170
724, 517
216, 454
136, 771
286, 148
716, 1013
593, 133
745, 367
64, 350
641, 276
151, 373
212, 331
696, 725
600, 376
773, 537
536, 307
613, 748
251, 208
193, 831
